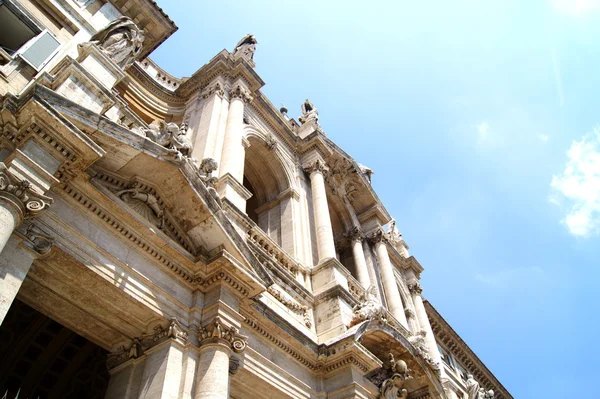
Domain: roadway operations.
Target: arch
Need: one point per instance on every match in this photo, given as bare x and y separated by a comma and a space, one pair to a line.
380, 339
270, 179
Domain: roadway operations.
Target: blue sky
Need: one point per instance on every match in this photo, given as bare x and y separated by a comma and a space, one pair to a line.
478, 118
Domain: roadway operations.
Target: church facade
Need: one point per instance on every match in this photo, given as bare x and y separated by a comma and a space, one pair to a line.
165, 237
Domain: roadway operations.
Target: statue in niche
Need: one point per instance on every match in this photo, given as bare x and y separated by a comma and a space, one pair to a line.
171, 136
393, 386
473, 390
309, 112
369, 308
246, 46
121, 40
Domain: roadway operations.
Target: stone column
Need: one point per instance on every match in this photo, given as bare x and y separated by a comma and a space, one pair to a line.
324, 232
415, 291
362, 272
232, 157
217, 344
17, 201
388, 279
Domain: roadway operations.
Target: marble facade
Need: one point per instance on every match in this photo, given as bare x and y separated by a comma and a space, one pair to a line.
212, 245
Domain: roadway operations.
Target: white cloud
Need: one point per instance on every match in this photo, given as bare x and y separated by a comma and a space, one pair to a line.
483, 128
575, 7
543, 137
579, 186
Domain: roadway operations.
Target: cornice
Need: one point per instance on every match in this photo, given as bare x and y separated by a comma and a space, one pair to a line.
445, 334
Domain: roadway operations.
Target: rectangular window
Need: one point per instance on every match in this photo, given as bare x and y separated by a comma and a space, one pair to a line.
40, 49
21, 36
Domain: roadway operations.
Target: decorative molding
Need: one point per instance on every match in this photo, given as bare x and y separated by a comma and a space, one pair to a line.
391, 378
207, 282
369, 308
20, 196
378, 236
216, 332
291, 304
124, 231
138, 346
35, 238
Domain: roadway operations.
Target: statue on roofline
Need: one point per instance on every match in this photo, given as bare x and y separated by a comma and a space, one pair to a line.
309, 112
246, 46
121, 40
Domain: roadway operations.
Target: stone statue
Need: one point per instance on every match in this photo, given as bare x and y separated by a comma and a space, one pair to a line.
369, 308
309, 112
171, 136
472, 388
246, 46
393, 387
121, 40
489, 394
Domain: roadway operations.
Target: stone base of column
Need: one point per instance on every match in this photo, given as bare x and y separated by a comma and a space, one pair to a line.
228, 187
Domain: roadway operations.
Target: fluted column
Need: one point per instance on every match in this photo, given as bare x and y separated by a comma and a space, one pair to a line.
388, 279
217, 344
415, 291
362, 272
233, 155
324, 232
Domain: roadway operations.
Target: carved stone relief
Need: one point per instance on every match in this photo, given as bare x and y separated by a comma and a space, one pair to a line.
291, 304
391, 379
369, 308
136, 348
217, 332
170, 136
121, 40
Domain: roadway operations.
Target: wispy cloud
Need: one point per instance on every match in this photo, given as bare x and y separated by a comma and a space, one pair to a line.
579, 186
575, 7
543, 137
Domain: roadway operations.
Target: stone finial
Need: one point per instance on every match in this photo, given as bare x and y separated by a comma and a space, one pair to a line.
121, 40
20, 195
217, 333
316, 166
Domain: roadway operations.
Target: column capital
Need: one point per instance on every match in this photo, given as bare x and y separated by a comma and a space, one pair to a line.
216, 332
316, 166
216, 88
415, 288
355, 234
20, 196
238, 91
409, 314
378, 236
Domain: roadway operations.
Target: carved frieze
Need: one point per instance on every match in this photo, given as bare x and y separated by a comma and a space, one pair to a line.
415, 288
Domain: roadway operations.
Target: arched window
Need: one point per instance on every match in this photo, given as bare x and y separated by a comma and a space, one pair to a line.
270, 206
